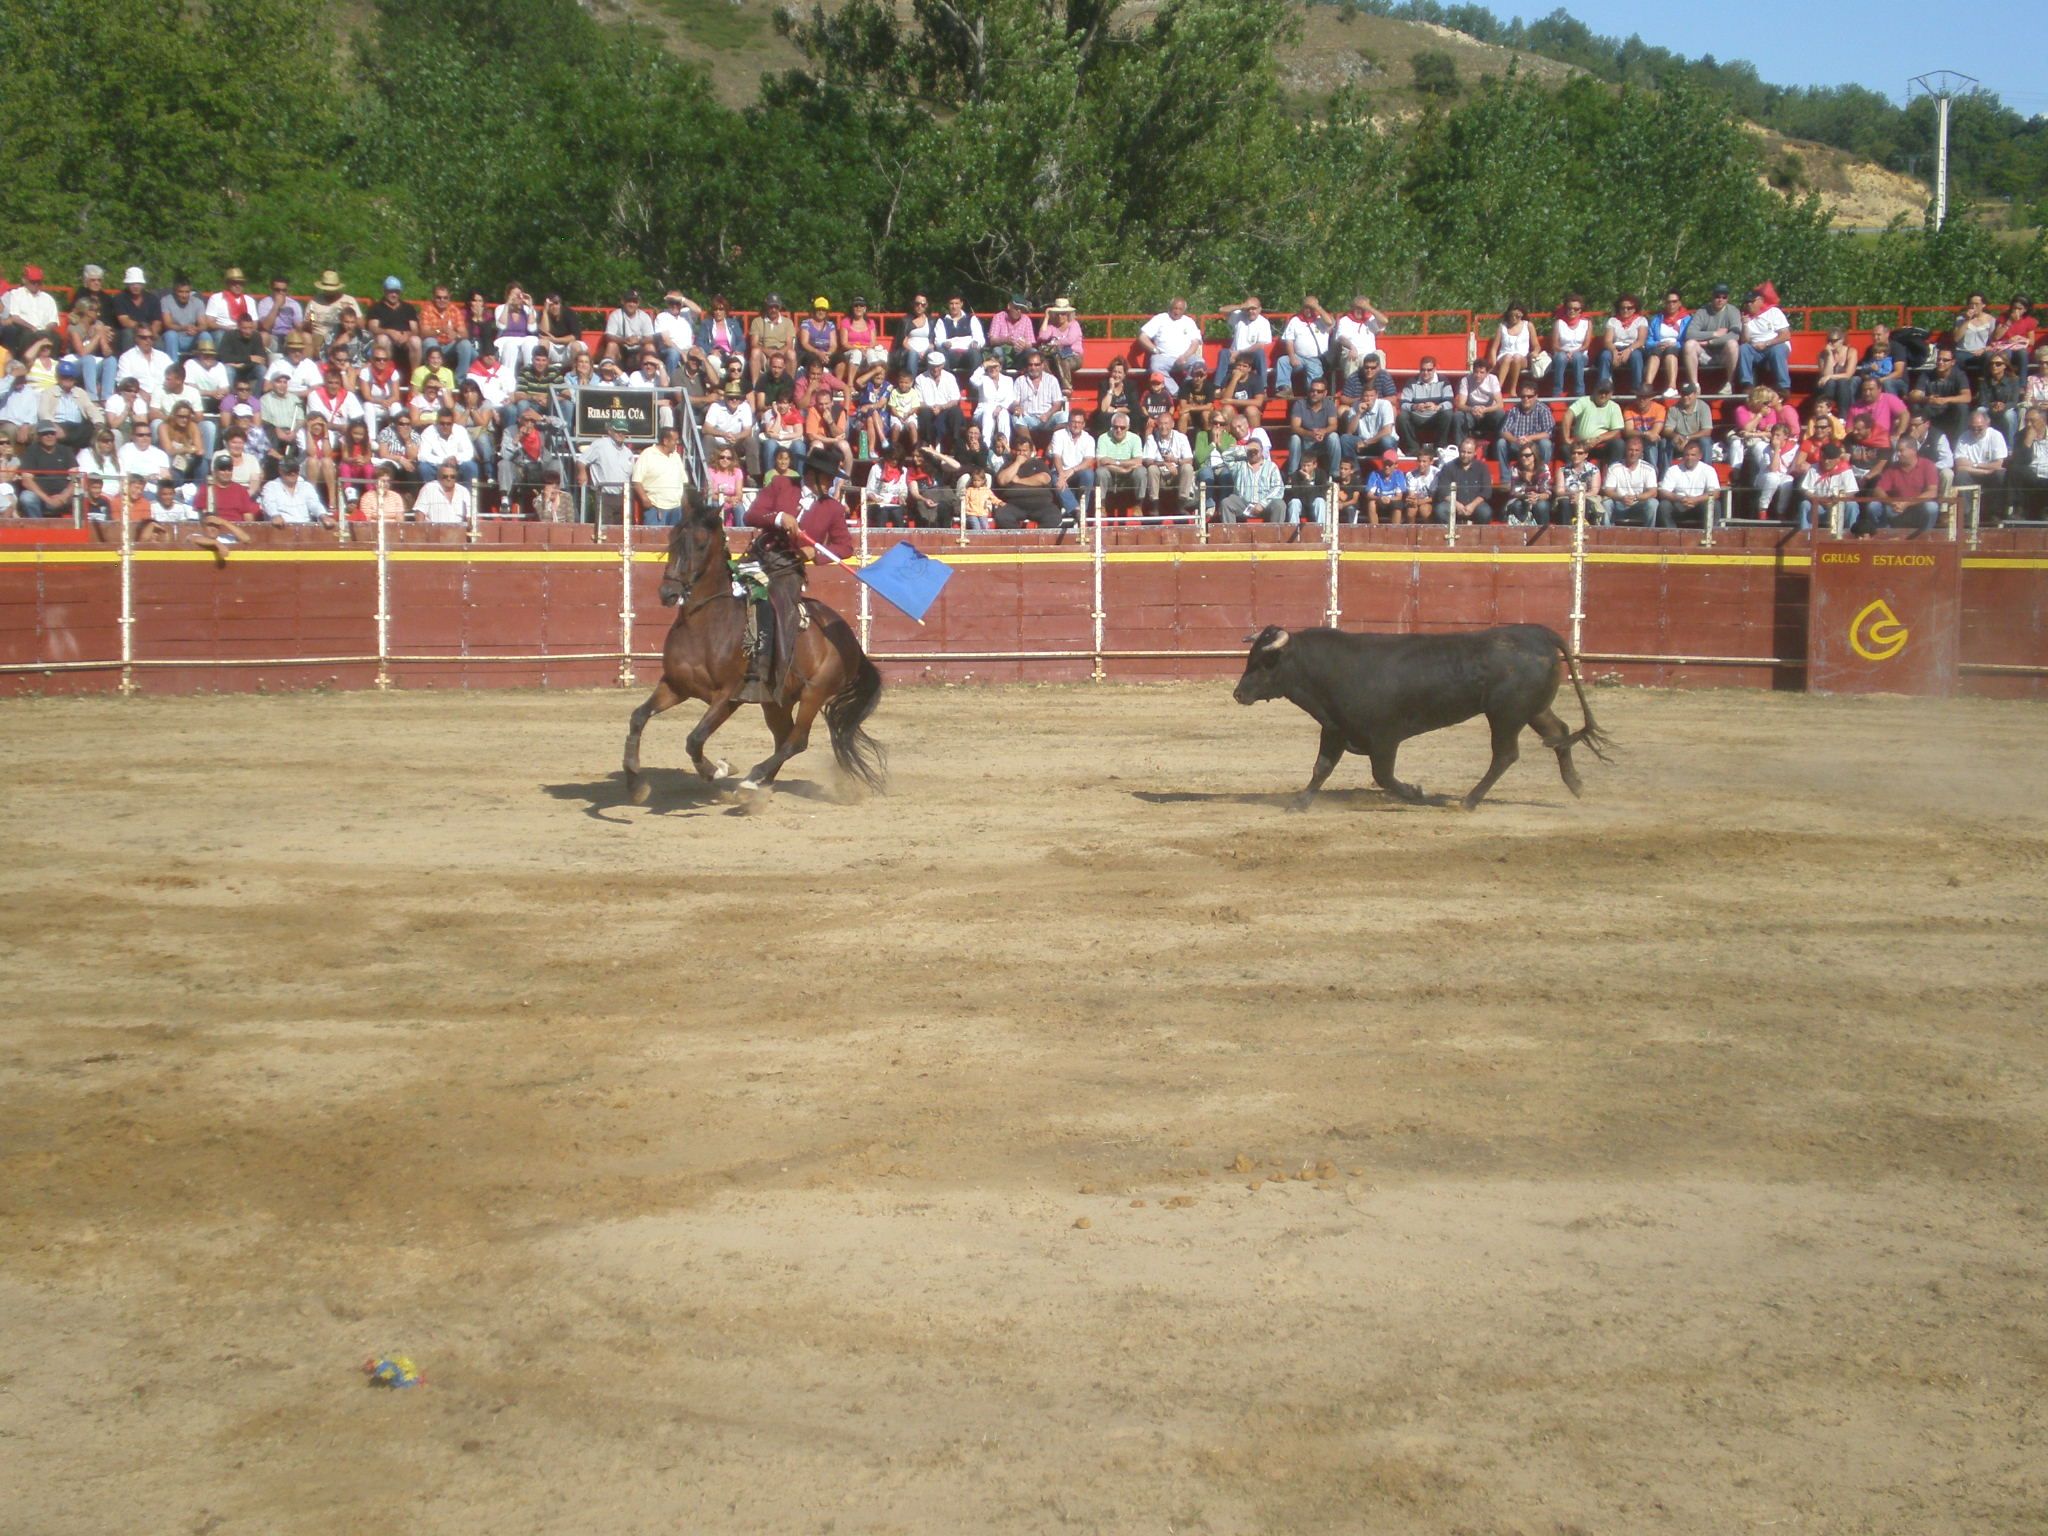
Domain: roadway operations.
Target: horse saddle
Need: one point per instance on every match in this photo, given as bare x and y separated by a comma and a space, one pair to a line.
766, 645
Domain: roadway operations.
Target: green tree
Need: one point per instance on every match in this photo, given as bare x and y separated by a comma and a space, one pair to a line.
128, 136
1436, 73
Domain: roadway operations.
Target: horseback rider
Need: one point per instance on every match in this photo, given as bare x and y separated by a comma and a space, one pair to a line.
792, 521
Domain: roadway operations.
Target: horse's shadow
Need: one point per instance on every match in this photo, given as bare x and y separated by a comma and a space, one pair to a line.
673, 792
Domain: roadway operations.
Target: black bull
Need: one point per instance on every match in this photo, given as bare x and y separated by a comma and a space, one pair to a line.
1370, 693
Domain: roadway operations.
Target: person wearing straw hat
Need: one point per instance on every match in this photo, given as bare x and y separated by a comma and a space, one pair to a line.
227, 308
1060, 339
323, 313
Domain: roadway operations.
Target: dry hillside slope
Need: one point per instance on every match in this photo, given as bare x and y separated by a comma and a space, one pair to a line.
736, 41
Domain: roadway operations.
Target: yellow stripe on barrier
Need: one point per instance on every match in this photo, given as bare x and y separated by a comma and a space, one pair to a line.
68, 555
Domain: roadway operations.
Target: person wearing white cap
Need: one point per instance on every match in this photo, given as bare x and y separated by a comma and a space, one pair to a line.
133, 310
939, 421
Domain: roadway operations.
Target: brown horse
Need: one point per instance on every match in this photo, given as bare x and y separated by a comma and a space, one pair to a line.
705, 658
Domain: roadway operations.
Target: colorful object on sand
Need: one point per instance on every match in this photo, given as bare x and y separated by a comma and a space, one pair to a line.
393, 1371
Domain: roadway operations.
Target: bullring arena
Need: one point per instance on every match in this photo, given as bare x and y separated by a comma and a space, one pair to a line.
1069, 1139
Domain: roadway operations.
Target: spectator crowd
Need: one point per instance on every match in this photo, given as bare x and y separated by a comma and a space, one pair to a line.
166, 405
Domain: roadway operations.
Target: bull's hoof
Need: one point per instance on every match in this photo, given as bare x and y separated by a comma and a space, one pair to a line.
1469, 803
638, 790
1299, 803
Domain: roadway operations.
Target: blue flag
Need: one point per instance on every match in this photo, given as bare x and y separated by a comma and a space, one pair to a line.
907, 578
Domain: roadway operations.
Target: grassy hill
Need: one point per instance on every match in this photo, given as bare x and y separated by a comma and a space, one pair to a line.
1336, 46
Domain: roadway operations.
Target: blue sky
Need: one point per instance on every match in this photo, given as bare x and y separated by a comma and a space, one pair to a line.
1881, 44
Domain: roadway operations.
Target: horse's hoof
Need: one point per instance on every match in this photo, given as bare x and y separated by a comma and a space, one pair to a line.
638, 790
721, 769
750, 786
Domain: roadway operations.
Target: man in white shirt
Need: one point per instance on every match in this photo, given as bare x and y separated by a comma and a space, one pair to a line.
444, 500
1251, 333
447, 444
1072, 454
1687, 488
1174, 340
177, 385
1041, 403
938, 418
144, 362
1169, 463
995, 398
141, 456
1631, 487
730, 422
626, 327
1764, 332
30, 314
675, 336
1303, 341
296, 366
1980, 455
205, 372
225, 310
606, 467
292, 499
493, 378
1358, 331
659, 481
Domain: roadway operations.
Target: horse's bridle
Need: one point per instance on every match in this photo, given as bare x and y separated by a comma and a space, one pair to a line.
686, 533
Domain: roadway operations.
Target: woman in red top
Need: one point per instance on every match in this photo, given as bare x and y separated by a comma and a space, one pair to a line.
356, 465
2015, 334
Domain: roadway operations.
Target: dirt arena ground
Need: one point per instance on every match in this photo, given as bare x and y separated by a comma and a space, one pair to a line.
1070, 1140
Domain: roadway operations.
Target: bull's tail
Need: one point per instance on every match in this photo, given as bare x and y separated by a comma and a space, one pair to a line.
1590, 735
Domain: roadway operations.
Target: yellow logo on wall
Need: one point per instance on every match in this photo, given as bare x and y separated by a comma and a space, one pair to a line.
1876, 634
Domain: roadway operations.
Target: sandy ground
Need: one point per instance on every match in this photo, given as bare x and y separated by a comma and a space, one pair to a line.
1670, 1161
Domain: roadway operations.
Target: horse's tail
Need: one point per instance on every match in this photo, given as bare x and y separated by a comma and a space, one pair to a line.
847, 711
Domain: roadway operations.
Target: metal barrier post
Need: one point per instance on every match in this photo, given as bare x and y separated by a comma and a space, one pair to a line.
1976, 510
78, 498
383, 603
626, 678
1098, 613
1707, 516
1578, 570
1331, 613
1451, 527
127, 604
475, 532
866, 622
1201, 513
1835, 516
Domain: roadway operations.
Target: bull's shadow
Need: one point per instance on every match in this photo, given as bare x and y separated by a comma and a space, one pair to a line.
673, 792
1368, 797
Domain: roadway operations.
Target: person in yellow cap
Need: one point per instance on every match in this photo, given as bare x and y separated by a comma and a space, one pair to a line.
817, 337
